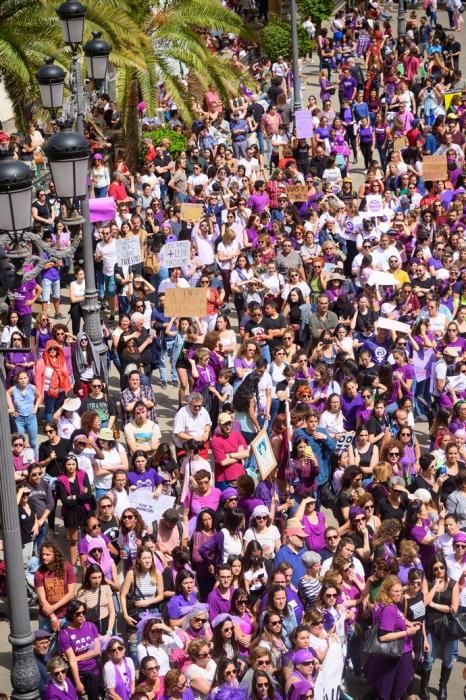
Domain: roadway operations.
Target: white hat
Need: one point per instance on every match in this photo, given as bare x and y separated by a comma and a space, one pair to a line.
72, 404
453, 352
420, 495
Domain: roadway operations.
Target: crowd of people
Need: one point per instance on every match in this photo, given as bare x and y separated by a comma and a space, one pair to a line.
313, 540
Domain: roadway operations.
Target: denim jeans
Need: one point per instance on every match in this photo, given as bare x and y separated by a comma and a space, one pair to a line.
155, 280
51, 403
41, 537
28, 425
442, 650
166, 352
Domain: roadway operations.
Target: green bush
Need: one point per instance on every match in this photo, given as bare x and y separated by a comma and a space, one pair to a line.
178, 142
318, 9
275, 40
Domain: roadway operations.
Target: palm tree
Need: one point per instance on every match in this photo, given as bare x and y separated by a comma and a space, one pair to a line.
152, 41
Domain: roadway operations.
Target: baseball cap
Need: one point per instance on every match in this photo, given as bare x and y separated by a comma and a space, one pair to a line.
224, 418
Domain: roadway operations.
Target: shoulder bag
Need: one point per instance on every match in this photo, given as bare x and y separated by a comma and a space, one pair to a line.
372, 646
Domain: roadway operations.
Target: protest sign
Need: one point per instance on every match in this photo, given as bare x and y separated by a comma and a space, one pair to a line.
434, 168
382, 279
448, 96
185, 301
102, 209
374, 204
128, 251
175, 254
263, 453
148, 507
391, 325
191, 212
304, 125
344, 440
297, 193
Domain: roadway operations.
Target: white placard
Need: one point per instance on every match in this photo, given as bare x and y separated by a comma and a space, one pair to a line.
345, 440
374, 204
383, 279
128, 251
176, 254
148, 507
457, 381
390, 325
328, 681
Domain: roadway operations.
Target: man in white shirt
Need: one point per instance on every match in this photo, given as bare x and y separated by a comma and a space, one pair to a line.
105, 252
175, 280
197, 178
192, 422
249, 163
383, 252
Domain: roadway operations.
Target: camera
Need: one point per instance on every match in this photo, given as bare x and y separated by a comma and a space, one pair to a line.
441, 470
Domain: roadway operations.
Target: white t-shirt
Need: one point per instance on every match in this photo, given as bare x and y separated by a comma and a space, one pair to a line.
169, 642
186, 422
78, 288
109, 257
168, 284
231, 249
111, 458
194, 671
267, 539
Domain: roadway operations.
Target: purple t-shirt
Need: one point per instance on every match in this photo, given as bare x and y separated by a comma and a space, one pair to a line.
418, 533
391, 619
258, 202
218, 604
81, 641
407, 372
23, 294
148, 480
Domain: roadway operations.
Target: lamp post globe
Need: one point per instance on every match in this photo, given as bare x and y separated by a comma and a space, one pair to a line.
68, 155
15, 194
51, 79
72, 14
97, 51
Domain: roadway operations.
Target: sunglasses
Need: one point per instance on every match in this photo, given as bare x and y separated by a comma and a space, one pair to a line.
59, 672
127, 517
438, 568
460, 546
199, 619
120, 648
204, 655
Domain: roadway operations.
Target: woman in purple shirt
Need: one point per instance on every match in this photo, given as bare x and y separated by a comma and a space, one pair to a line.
81, 638
418, 529
390, 677
60, 687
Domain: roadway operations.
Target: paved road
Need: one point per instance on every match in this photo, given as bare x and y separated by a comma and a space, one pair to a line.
168, 402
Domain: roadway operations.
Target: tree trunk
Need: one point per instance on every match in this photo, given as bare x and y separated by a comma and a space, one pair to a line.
132, 131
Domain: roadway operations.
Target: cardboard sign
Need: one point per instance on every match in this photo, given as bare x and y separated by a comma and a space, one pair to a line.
102, 209
191, 212
304, 124
297, 193
399, 143
128, 251
434, 168
148, 507
181, 301
391, 325
176, 254
263, 453
374, 204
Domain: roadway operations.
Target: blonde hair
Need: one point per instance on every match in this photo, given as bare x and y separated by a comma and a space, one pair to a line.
409, 548
383, 595
382, 472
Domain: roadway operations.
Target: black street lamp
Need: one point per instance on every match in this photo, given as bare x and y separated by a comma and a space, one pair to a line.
97, 51
15, 194
51, 79
68, 156
72, 14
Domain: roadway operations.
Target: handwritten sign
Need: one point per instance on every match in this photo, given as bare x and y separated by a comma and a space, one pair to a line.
102, 209
176, 254
263, 453
181, 301
399, 143
374, 204
297, 193
304, 124
191, 212
434, 168
148, 507
344, 440
128, 251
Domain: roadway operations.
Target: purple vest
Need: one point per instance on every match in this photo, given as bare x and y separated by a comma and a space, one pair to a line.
121, 688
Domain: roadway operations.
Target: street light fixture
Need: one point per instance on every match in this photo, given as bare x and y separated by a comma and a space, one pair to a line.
68, 156
97, 51
72, 14
51, 79
15, 193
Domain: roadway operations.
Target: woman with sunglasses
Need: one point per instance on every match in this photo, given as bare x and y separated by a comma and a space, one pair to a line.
419, 528
96, 594
157, 640
23, 401
224, 642
270, 637
52, 378
277, 603
201, 671
132, 530
262, 686
150, 682
119, 672
176, 686
81, 639
86, 364
60, 686
91, 534
244, 619
74, 492
21, 359
441, 602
